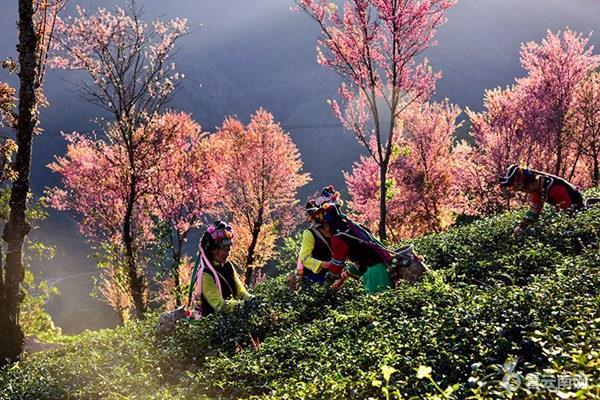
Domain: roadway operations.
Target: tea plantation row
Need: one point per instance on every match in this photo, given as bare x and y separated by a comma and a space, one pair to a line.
492, 310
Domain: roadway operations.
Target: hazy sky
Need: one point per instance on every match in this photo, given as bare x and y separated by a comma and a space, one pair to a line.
246, 54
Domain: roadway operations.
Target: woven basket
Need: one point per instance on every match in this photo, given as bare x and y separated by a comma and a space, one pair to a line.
407, 265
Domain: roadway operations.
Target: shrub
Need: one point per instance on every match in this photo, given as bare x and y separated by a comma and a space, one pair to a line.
490, 302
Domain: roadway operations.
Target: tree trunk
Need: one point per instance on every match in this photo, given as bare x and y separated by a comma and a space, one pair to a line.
596, 175
574, 167
383, 200
559, 146
437, 226
558, 158
136, 280
596, 179
251, 249
177, 241
11, 295
176, 277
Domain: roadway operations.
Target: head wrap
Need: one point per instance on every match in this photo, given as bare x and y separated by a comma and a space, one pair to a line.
515, 174
315, 208
329, 195
218, 235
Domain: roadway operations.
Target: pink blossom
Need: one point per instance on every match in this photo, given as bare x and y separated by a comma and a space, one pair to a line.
259, 171
422, 195
373, 45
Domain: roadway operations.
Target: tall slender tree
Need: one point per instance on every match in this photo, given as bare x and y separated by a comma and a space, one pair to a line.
175, 191
36, 26
500, 138
126, 60
421, 184
95, 177
373, 46
555, 66
584, 123
545, 121
182, 185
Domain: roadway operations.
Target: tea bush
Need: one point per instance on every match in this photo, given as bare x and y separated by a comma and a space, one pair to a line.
492, 310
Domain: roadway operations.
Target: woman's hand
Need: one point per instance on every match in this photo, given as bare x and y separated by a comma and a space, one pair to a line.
338, 284
518, 232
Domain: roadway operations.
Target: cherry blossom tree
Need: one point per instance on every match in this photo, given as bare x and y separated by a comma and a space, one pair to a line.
172, 290
500, 130
584, 123
427, 167
95, 180
475, 185
500, 138
363, 188
555, 67
373, 46
113, 284
421, 184
182, 184
176, 189
95, 187
260, 174
127, 61
263, 246
538, 122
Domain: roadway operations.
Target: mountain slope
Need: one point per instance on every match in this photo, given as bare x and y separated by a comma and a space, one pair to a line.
489, 299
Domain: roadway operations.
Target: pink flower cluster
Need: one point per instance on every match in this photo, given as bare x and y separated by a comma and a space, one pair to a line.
548, 120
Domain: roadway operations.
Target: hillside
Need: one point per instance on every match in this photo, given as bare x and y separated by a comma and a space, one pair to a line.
489, 301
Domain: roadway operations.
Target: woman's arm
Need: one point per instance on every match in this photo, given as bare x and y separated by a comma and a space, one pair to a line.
213, 296
306, 250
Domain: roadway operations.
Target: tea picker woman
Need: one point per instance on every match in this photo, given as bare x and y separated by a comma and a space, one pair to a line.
216, 285
315, 251
542, 187
345, 246
378, 267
